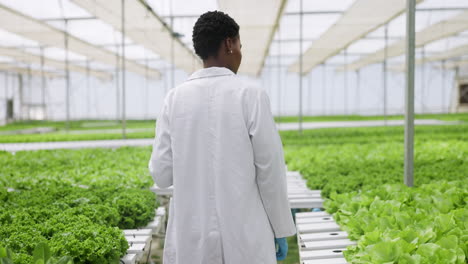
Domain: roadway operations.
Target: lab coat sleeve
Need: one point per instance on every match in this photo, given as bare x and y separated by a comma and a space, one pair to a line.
160, 164
270, 166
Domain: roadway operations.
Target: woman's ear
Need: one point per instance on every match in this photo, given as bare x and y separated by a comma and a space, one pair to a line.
229, 44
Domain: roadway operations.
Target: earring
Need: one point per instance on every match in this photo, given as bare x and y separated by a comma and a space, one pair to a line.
230, 51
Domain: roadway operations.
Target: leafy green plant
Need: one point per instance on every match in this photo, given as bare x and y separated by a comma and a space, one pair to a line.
5, 255
42, 255
122, 167
85, 241
61, 136
74, 201
445, 117
360, 171
78, 124
352, 159
398, 224
136, 207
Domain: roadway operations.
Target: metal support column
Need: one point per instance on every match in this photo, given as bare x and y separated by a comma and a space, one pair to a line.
6, 85
300, 66
423, 78
88, 97
455, 89
67, 78
358, 90
117, 86
145, 114
28, 104
43, 85
442, 87
345, 82
5, 92
21, 100
309, 92
409, 93
279, 76
385, 71
324, 89
124, 121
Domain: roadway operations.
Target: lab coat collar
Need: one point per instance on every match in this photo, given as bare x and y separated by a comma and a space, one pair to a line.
210, 72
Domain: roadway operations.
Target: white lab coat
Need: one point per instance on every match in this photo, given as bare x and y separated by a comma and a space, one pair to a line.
218, 145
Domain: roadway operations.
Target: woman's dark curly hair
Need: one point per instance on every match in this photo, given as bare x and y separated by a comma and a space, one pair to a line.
209, 32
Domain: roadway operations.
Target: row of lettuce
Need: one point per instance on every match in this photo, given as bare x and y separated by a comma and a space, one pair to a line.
361, 174
107, 129
73, 203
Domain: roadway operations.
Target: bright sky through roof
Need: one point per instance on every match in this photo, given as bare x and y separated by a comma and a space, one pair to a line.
186, 13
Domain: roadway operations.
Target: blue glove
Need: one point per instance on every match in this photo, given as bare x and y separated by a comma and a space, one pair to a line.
282, 245
293, 212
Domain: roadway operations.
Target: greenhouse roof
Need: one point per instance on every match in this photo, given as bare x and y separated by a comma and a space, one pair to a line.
9, 67
361, 18
28, 57
258, 21
451, 53
442, 56
45, 34
269, 40
437, 31
456, 64
144, 27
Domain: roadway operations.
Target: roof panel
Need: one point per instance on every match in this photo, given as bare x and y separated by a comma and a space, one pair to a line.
184, 27
144, 27
442, 45
8, 67
436, 31
101, 33
288, 48
12, 40
443, 4
137, 52
316, 26
329, 5
360, 19
32, 58
341, 59
456, 51
45, 34
456, 64
182, 7
256, 31
396, 28
6, 59
59, 54
95, 65
366, 46
46, 9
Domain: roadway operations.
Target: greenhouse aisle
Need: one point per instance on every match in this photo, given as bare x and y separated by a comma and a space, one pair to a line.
319, 237
116, 143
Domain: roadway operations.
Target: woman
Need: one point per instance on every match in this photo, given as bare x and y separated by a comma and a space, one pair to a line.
217, 144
